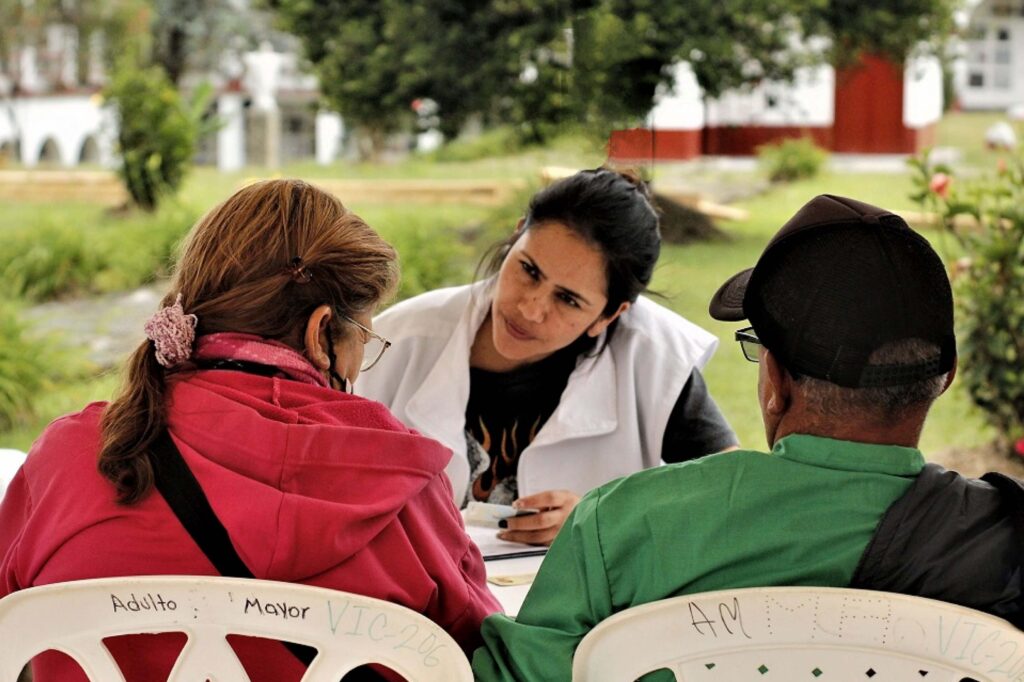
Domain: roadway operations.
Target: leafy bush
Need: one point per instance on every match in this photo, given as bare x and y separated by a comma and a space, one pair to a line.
53, 259
986, 216
429, 259
502, 219
436, 253
46, 261
157, 131
791, 160
496, 142
140, 248
24, 368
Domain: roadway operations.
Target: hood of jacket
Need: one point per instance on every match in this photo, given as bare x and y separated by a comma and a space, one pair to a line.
954, 539
301, 476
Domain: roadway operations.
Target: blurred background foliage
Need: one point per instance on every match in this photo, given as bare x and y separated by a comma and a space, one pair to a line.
985, 217
541, 66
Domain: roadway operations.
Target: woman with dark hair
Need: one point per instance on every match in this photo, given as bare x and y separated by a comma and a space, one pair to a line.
554, 375
243, 385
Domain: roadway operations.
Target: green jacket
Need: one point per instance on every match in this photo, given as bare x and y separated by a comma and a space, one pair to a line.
801, 515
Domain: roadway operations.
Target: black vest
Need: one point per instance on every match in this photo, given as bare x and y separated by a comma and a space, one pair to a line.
953, 539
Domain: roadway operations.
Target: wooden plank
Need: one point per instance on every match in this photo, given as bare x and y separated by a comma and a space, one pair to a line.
93, 187
105, 188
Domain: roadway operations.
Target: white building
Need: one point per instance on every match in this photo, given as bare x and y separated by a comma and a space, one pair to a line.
50, 114
994, 56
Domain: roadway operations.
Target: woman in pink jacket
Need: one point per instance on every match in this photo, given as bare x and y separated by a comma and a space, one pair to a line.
245, 378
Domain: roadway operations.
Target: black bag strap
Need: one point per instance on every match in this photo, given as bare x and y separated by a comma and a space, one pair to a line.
185, 496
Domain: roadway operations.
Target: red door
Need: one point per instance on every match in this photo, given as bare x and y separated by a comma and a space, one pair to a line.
869, 109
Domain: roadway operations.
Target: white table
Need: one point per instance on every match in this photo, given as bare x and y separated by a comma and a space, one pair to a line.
511, 596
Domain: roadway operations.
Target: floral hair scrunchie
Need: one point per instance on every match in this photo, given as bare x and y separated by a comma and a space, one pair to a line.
172, 333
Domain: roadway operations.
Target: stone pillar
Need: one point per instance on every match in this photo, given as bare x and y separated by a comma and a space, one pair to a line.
62, 46
29, 79
231, 136
96, 72
263, 71
329, 131
263, 138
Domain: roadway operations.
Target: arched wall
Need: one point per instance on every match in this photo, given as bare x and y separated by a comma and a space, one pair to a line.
49, 152
89, 151
68, 120
9, 151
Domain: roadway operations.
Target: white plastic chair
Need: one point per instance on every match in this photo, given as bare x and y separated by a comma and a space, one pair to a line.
348, 630
802, 633
10, 462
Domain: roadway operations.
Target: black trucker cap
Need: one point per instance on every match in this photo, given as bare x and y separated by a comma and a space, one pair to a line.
840, 280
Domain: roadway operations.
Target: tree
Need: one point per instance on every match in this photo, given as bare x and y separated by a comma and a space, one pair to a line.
359, 58
542, 63
625, 51
375, 57
892, 29
157, 131
192, 34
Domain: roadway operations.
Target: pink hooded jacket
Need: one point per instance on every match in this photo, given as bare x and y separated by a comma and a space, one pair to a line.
314, 486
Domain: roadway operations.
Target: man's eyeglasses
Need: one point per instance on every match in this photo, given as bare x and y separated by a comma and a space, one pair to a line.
374, 345
749, 344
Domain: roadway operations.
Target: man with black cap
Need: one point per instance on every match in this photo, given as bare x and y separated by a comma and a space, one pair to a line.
851, 318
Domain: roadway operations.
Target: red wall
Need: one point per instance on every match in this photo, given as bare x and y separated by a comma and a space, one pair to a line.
744, 140
641, 144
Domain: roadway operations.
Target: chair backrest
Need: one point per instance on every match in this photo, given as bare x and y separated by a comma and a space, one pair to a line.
10, 462
801, 633
348, 630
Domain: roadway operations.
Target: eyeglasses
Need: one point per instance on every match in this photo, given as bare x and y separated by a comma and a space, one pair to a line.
749, 344
373, 346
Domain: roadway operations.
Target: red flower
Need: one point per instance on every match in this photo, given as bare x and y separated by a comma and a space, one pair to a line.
940, 184
1019, 447
1001, 166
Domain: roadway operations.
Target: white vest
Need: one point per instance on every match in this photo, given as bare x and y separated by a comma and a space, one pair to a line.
612, 415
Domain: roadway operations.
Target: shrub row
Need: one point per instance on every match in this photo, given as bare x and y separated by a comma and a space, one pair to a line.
28, 367
789, 160
55, 258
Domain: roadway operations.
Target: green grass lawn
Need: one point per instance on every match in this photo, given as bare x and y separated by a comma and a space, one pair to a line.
686, 275
966, 132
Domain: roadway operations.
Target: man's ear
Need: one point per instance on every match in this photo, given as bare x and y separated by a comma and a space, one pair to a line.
778, 383
951, 375
602, 322
315, 337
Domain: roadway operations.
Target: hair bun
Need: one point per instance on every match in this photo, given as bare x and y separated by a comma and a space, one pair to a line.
632, 175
